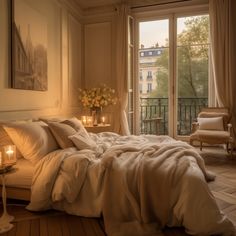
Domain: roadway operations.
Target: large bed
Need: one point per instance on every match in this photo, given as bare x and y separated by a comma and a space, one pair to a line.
139, 184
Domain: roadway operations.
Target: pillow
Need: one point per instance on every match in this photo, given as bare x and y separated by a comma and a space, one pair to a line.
76, 124
61, 132
213, 123
225, 116
83, 141
6, 140
34, 140
51, 119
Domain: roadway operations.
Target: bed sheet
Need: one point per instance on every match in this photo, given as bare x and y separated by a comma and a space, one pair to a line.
22, 177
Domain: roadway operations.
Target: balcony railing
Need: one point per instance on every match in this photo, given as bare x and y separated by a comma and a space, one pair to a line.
151, 108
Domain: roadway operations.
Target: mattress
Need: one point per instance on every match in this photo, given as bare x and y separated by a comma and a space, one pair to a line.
22, 176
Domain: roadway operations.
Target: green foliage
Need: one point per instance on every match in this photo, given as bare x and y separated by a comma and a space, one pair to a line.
192, 61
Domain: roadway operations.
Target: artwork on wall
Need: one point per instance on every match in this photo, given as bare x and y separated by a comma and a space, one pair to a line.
29, 47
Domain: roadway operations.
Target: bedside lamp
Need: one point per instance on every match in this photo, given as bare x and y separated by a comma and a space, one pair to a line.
9, 155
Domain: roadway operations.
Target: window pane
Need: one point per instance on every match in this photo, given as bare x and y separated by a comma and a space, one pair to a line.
192, 69
154, 68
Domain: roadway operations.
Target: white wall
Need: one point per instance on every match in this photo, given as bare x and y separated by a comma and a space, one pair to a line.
64, 64
99, 55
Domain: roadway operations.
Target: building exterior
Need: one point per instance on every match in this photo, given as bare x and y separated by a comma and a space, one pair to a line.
148, 69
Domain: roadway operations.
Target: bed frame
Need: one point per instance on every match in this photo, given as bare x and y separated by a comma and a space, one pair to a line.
17, 193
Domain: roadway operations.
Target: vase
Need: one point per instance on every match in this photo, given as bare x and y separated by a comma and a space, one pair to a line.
96, 114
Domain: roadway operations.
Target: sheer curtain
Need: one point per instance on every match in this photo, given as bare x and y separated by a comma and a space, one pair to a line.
121, 124
223, 53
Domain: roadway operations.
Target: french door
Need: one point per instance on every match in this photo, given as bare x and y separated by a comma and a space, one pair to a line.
172, 73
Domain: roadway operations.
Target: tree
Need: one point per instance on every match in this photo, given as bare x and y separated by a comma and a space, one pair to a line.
192, 61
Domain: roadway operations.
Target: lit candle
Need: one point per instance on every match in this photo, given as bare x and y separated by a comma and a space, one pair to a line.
89, 120
9, 153
84, 120
103, 120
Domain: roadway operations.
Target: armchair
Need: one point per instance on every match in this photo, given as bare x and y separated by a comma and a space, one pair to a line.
213, 127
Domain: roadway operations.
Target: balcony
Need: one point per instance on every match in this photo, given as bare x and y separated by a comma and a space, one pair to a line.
188, 108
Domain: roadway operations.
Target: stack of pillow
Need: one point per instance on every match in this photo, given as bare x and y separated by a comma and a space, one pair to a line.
36, 139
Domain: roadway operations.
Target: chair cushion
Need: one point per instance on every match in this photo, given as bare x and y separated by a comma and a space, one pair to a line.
213, 123
211, 136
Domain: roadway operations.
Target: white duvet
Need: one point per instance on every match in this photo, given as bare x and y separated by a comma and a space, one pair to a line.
138, 183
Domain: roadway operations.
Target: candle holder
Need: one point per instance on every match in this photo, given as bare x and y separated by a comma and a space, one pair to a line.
84, 120
9, 155
103, 120
89, 120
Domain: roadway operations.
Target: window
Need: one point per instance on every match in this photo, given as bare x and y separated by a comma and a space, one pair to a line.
140, 75
177, 73
140, 88
149, 87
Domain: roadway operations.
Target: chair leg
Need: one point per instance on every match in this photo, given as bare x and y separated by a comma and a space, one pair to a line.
232, 148
227, 147
200, 146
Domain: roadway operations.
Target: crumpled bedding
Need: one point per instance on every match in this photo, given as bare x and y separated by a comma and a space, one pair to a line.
138, 183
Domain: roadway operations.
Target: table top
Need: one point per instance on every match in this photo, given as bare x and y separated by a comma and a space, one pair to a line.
7, 169
99, 125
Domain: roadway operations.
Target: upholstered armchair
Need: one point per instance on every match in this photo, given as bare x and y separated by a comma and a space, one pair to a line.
213, 127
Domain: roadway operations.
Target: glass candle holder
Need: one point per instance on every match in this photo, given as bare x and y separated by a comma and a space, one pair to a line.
84, 120
9, 155
89, 120
103, 120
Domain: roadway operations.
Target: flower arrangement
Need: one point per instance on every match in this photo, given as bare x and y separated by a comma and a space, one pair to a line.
97, 97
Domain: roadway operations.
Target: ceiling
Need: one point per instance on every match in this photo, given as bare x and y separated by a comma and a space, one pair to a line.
84, 4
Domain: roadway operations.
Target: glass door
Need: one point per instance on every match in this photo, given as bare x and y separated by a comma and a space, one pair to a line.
153, 64
192, 48
173, 57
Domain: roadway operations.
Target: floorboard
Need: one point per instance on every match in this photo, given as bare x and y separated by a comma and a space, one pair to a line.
54, 223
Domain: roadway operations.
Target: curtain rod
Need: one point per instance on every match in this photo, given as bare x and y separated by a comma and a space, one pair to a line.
160, 4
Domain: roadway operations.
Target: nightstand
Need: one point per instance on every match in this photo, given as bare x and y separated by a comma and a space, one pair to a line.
6, 219
98, 128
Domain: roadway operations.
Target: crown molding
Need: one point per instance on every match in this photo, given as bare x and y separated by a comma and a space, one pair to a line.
73, 7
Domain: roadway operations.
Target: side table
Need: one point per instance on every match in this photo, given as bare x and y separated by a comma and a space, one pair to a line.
6, 219
98, 128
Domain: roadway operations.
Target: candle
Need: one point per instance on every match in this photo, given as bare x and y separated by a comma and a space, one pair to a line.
83, 120
9, 154
89, 120
103, 120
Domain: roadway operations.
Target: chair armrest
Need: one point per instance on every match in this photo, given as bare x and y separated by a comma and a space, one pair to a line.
195, 126
229, 127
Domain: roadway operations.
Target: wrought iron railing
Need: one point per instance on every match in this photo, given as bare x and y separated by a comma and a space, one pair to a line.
152, 109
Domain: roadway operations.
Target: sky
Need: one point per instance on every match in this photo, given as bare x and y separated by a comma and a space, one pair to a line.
151, 32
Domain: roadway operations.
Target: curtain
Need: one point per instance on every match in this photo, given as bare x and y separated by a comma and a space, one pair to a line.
121, 125
223, 53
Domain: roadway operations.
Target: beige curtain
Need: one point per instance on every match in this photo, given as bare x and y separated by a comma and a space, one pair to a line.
223, 53
121, 123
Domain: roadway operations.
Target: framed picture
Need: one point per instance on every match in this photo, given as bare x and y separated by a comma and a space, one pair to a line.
28, 47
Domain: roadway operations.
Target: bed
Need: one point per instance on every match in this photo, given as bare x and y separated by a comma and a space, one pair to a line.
139, 184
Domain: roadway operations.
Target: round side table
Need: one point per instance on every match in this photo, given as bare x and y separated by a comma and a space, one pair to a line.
5, 219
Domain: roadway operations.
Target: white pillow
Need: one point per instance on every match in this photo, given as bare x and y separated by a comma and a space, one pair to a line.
61, 132
212, 123
82, 141
34, 139
76, 124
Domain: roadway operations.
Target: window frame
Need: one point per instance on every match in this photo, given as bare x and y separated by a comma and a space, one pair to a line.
172, 14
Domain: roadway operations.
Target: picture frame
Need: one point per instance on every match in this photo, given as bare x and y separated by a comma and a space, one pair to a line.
29, 57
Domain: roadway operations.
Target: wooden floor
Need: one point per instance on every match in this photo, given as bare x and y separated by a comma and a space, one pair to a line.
60, 224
